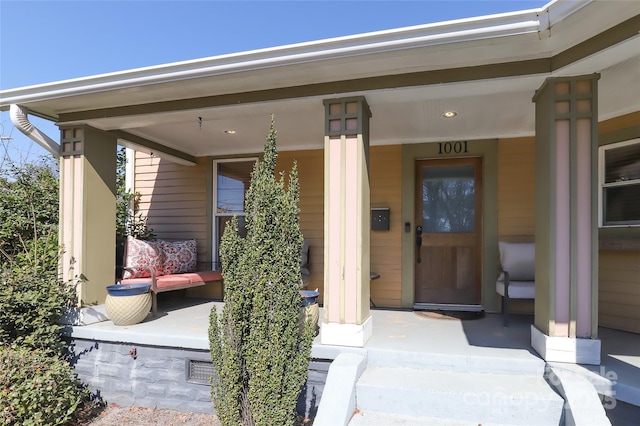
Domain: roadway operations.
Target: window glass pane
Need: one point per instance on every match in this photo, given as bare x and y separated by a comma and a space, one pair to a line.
448, 199
622, 164
621, 205
233, 182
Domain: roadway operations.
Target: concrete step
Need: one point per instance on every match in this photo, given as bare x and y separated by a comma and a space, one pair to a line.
519, 363
377, 418
459, 396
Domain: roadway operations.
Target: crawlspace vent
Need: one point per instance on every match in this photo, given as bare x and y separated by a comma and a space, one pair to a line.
199, 371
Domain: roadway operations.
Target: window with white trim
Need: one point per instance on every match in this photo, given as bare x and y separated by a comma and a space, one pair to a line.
620, 184
230, 184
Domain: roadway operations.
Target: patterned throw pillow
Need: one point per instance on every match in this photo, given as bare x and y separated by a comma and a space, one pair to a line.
142, 255
179, 256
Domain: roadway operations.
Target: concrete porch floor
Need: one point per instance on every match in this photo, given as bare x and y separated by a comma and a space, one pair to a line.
184, 324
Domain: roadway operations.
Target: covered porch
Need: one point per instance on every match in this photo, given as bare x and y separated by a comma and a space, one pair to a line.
401, 339
529, 97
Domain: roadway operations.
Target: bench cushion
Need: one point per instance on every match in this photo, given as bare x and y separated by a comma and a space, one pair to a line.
179, 280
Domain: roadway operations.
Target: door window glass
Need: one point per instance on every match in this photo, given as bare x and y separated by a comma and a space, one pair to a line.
448, 199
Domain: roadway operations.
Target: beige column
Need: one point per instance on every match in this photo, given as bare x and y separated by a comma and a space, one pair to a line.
88, 210
566, 309
347, 217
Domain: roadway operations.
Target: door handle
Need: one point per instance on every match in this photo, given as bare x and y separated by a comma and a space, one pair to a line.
418, 242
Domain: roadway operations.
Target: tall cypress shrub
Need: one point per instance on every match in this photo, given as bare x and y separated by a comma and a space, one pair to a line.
260, 352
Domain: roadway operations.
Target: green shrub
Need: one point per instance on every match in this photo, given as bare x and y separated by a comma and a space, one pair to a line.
260, 352
36, 389
31, 303
28, 209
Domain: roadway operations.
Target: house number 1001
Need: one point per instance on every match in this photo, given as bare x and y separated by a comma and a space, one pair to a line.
455, 147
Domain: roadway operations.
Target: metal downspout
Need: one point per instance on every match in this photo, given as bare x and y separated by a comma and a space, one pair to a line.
20, 119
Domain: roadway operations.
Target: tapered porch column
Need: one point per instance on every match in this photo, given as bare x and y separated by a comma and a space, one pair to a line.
88, 210
566, 305
347, 320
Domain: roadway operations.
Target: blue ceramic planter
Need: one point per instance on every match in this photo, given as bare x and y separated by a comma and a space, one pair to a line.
128, 289
309, 297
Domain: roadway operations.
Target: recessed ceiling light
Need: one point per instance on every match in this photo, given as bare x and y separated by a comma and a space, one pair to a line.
449, 114
230, 132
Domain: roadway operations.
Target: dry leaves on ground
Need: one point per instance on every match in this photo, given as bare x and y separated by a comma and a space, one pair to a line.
113, 415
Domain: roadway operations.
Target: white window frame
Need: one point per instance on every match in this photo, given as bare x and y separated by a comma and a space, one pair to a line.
215, 215
602, 185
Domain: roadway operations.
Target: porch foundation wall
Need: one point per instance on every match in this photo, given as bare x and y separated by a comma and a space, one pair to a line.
158, 376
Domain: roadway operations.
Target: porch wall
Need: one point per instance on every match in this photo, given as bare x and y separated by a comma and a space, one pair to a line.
619, 270
385, 177
516, 188
174, 199
619, 291
176, 205
517, 198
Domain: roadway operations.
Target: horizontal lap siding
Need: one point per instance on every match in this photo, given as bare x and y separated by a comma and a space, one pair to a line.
311, 178
174, 199
385, 175
619, 290
516, 197
516, 187
385, 191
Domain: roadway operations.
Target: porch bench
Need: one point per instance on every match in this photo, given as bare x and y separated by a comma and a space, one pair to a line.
166, 265
172, 282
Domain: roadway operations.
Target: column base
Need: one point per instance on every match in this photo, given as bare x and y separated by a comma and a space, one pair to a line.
565, 349
354, 335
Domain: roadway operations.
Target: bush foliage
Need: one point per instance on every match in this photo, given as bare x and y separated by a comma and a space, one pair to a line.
31, 303
29, 216
37, 389
260, 352
36, 384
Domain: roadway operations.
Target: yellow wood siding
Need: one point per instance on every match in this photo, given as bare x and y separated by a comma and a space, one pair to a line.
619, 290
385, 184
516, 197
619, 271
311, 178
174, 199
516, 187
385, 177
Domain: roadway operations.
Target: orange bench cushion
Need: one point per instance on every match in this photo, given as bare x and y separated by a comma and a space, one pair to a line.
179, 280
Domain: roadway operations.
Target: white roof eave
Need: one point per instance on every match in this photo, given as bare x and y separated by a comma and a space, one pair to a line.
456, 31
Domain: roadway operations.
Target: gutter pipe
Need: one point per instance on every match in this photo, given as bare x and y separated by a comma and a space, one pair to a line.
20, 119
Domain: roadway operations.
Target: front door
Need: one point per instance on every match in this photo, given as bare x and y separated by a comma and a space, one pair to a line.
448, 234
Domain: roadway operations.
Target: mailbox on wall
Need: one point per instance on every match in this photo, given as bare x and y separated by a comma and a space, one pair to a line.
380, 219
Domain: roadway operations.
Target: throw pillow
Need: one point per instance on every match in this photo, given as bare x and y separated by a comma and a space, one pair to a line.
179, 256
141, 257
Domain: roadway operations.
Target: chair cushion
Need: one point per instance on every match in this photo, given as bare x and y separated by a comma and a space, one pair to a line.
141, 256
517, 289
179, 256
519, 260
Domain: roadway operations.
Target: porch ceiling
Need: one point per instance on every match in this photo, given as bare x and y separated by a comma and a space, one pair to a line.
409, 77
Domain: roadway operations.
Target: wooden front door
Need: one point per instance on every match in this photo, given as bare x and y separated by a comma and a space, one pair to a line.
448, 233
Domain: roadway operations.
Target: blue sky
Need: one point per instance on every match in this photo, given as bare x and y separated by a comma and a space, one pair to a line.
46, 41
